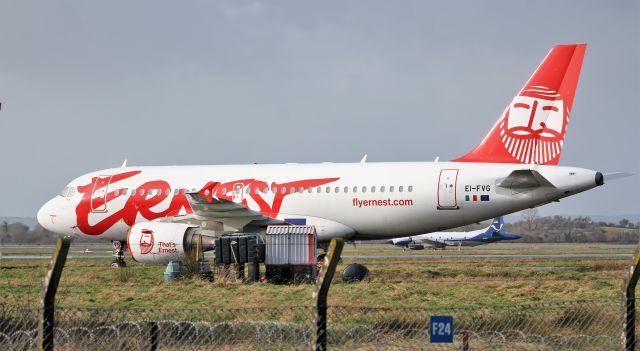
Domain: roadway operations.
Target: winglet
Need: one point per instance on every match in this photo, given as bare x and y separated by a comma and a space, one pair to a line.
124, 164
364, 159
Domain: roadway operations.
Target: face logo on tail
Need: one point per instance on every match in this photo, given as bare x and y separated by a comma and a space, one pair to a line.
534, 125
146, 242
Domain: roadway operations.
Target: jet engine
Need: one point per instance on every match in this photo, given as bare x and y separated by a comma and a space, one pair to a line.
161, 242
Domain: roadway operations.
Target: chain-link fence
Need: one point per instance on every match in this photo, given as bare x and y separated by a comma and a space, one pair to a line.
164, 329
585, 325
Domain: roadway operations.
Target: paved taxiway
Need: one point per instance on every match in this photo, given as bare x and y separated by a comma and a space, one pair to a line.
432, 257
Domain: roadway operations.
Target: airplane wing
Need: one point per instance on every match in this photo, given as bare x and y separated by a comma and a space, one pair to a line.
524, 178
215, 211
428, 241
231, 214
425, 239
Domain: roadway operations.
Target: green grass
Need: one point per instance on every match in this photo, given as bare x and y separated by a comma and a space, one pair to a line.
398, 282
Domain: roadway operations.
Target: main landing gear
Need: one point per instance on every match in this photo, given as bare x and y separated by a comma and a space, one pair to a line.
118, 254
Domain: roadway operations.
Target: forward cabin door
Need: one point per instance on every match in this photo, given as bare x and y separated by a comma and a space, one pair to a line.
99, 194
447, 189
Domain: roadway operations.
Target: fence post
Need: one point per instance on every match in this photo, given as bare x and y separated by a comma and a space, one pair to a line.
153, 335
629, 290
46, 324
319, 339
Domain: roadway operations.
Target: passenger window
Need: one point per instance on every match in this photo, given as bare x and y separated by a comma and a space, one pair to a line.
301, 189
224, 191
206, 192
274, 189
292, 190
337, 189
265, 190
355, 189
176, 192
346, 189
373, 189
309, 190
124, 192
364, 189
283, 190
382, 189
410, 188
400, 188
141, 192
328, 190
318, 190
391, 189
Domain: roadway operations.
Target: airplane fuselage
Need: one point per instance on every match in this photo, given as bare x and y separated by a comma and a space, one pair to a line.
352, 200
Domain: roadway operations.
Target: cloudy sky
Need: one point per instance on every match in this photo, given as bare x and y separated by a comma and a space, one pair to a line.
86, 84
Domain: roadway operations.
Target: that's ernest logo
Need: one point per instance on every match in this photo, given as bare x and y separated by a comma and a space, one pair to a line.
534, 125
146, 241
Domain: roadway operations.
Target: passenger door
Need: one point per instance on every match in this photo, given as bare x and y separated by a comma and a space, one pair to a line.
447, 189
99, 194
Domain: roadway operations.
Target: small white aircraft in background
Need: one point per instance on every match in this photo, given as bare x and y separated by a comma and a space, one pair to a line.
440, 240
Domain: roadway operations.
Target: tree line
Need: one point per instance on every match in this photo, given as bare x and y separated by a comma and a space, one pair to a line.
533, 228
537, 229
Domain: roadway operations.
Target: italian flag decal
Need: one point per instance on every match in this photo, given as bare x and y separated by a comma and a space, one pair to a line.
476, 197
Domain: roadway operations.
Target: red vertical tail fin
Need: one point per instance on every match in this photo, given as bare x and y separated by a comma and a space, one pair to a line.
533, 126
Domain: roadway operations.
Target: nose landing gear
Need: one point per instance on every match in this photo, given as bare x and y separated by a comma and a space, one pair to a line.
118, 254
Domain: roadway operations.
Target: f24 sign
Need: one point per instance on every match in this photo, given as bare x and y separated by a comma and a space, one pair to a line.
441, 329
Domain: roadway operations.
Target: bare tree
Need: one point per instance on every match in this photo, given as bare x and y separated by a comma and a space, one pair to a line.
530, 215
5, 231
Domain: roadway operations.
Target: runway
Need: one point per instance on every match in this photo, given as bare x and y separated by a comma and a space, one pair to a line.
449, 256
377, 257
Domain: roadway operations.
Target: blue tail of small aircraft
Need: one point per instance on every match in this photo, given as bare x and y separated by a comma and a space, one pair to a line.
496, 230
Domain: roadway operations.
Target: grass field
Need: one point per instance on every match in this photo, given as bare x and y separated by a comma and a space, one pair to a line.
434, 282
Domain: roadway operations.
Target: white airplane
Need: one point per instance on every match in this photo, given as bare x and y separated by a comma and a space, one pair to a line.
495, 232
154, 211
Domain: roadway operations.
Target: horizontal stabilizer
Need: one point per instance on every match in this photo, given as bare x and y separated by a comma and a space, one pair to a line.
617, 175
524, 178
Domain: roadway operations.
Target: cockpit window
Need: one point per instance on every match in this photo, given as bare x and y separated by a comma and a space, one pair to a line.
64, 191
68, 191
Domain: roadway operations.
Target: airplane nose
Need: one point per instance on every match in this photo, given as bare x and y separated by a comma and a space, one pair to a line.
44, 216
